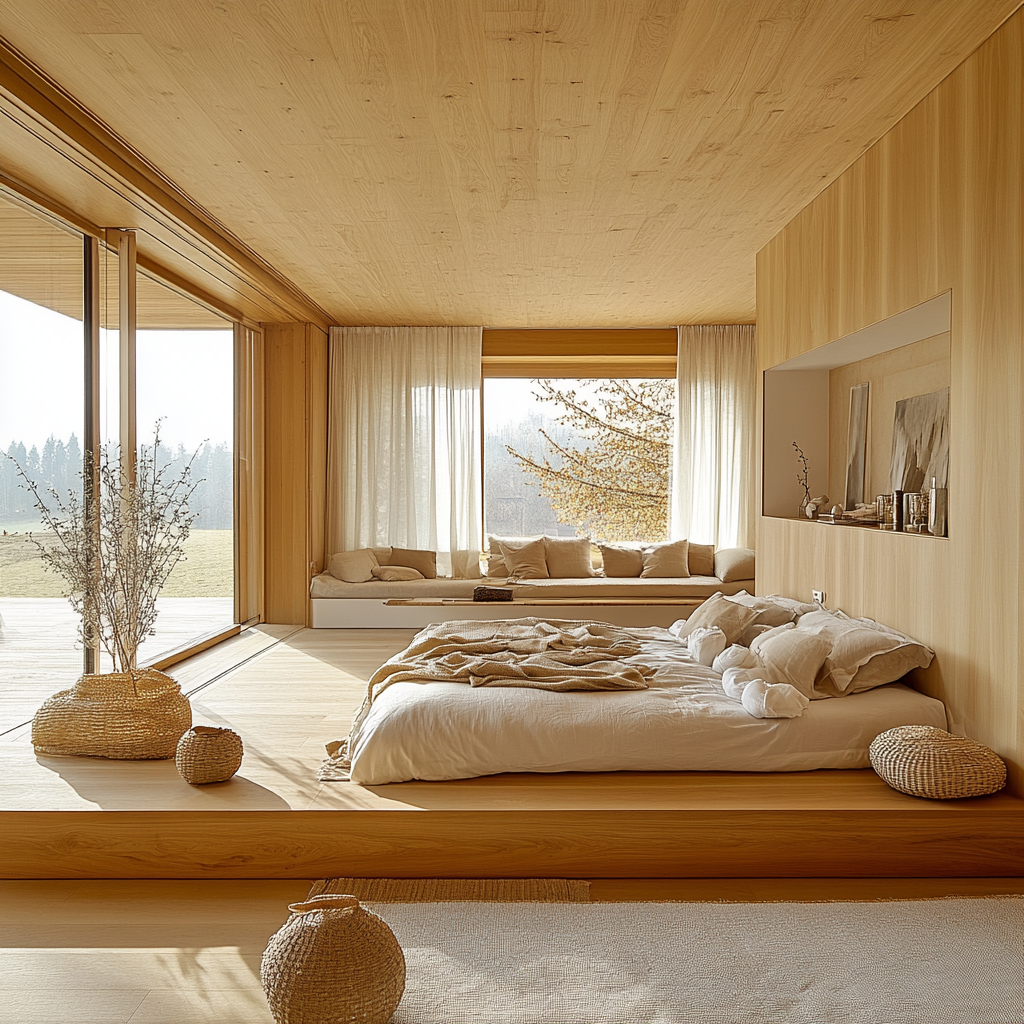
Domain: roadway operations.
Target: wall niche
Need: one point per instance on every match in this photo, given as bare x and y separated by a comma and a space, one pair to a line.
808, 400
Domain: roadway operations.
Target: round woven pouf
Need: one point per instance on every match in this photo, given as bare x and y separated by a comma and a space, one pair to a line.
924, 761
207, 754
333, 961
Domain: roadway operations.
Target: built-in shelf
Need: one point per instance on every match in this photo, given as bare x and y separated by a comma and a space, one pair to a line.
874, 528
807, 400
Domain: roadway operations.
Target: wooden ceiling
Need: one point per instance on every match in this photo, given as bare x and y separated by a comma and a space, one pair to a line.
516, 163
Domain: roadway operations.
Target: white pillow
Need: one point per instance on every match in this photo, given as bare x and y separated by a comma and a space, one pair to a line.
773, 700
706, 644
733, 657
862, 646
791, 655
353, 566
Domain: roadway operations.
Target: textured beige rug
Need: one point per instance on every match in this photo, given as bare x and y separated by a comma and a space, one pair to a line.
452, 890
948, 961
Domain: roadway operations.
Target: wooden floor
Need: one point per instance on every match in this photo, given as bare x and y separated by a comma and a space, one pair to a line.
287, 691
188, 952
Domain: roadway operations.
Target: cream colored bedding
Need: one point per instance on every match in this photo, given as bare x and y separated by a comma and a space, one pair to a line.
682, 722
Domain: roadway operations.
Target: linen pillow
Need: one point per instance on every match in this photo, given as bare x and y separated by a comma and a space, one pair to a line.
621, 561
768, 612
568, 558
752, 631
527, 562
731, 618
396, 573
495, 563
733, 564
862, 645
424, 562
353, 566
666, 561
798, 607
701, 559
383, 555
787, 654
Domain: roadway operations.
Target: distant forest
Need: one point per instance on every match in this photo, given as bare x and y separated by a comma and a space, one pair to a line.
59, 465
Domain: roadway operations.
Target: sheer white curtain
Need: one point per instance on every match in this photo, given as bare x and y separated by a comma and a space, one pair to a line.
404, 442
713, 474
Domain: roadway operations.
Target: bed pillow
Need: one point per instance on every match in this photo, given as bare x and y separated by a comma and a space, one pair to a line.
495, 563
731, 618
620, 561
733, 564
798, 607
863, 653
424, 562
751, 632
701, 559
787, 654
353, 566
396, 573
568, 558
768, 612
527, 562
666, 561
706, 644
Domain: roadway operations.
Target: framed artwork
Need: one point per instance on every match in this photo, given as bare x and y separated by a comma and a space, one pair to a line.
920, 442
857, 446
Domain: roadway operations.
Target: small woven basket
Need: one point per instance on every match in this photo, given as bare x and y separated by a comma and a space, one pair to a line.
924, 761
207, 754
131, 716
333, 961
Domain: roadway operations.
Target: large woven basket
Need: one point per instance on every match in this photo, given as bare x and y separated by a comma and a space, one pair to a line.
924, 761
333, 961
207, 754
132, 716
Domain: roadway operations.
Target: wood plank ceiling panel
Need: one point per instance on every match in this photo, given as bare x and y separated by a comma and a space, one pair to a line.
514, 163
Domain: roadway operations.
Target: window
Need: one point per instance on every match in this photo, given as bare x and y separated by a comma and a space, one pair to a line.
578, 432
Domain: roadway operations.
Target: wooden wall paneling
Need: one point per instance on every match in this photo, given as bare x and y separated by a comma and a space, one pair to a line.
936, 204
316, 404
286, 475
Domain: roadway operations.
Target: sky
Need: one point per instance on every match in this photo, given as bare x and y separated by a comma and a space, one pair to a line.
184, 376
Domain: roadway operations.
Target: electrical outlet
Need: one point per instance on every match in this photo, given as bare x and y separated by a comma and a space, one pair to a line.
818, 596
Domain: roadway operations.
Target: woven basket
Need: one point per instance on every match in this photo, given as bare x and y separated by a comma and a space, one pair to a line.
333, 961
924, 761
132, 716
207, 754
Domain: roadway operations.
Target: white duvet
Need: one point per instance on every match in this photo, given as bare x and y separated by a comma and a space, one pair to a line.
684, 722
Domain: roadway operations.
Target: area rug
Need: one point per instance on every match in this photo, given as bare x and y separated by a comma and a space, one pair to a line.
446, 890
948, 961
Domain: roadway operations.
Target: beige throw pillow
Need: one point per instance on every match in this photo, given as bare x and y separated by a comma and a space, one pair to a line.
495, 562
768, 612
527, 562
734, 564
568, 558
396, 573
666, 561
353, 566
790, 655
621, 561
732, 619
701, 559
424, 562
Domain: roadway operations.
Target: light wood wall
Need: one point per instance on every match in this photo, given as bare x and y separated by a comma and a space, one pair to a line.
936, 204
295, 414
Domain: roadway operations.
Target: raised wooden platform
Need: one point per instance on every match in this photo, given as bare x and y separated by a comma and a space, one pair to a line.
84, 818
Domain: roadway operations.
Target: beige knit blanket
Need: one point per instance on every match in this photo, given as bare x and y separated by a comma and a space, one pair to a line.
555, 654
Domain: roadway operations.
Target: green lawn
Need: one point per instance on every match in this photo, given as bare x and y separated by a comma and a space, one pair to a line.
207, 569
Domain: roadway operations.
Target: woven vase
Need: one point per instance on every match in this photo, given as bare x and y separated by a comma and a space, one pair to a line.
924, 761
207, 754
132, 716
333, 962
